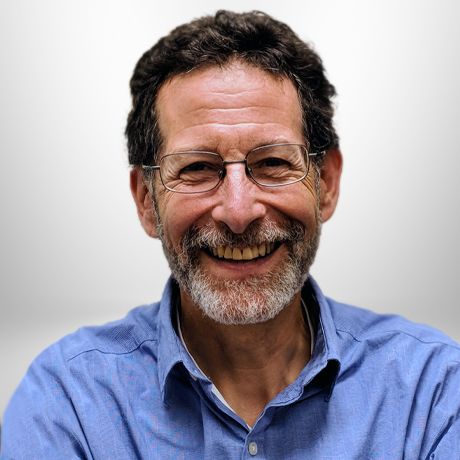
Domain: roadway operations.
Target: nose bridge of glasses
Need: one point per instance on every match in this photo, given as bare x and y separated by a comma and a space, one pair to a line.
226, 163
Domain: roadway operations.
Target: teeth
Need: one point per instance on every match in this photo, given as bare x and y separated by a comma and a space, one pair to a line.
247, 253
237, 254
270, 247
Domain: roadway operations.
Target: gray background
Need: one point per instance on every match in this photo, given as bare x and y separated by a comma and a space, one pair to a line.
72, 251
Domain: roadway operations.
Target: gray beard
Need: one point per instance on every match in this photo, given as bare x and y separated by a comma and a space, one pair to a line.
255, 299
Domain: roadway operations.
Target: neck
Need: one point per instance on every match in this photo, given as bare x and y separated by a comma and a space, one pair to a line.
249, 364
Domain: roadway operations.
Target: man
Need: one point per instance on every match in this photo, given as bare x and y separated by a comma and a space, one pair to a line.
236, 165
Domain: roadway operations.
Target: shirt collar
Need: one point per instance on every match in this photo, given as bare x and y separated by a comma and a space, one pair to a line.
171, 352
323, 367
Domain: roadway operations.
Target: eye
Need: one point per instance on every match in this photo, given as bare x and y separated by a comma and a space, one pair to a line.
272, 162
270, 165
198, 167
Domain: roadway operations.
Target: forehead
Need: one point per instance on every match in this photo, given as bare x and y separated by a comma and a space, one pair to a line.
235, 106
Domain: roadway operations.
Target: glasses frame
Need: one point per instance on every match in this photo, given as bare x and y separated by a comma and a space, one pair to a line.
223, 172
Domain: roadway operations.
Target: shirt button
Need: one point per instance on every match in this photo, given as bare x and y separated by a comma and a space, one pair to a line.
252, 448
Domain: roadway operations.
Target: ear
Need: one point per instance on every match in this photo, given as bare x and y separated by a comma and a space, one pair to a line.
331, 171
144, 202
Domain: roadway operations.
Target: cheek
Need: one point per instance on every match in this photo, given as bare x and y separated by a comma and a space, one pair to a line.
300, 203
177, 214
303, 211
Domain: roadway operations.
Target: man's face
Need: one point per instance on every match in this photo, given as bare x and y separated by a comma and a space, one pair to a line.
230, 111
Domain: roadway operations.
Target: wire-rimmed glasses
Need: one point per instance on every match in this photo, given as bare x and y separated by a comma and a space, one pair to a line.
196, 171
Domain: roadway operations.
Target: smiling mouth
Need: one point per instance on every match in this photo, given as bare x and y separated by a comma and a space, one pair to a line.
243, 253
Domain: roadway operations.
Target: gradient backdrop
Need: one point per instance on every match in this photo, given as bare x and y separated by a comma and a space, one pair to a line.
71, 249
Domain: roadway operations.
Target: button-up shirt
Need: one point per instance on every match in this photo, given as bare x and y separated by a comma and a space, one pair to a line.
376, 387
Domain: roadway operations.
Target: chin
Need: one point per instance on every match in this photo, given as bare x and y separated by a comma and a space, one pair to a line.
251, 300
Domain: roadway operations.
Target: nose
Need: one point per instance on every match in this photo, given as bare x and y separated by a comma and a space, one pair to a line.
239, 200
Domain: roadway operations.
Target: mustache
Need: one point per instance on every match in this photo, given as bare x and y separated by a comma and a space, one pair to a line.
256, 233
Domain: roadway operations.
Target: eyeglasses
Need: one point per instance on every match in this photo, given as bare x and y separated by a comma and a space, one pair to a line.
197, 171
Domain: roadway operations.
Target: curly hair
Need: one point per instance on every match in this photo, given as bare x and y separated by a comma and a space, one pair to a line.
254, 38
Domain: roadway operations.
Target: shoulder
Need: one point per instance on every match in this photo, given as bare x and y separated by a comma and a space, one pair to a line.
70, 378
363, 325
94, 345
412, 367
79, 356
140, 325
417, 357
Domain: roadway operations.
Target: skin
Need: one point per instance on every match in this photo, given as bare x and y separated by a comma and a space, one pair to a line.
231, 110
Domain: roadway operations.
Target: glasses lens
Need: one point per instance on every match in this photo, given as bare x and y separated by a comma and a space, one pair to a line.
190, 172
274, 165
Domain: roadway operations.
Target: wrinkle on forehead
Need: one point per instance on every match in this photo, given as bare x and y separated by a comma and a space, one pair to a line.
248, 136
240, 96
224, 86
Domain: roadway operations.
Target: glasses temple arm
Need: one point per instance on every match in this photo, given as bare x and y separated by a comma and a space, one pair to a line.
150, 168
319, 154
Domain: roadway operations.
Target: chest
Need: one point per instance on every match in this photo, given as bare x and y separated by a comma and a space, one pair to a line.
358, 422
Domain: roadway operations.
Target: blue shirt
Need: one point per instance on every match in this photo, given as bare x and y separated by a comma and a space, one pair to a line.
376, 387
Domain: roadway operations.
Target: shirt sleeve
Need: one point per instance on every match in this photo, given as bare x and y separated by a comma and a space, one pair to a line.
40, 421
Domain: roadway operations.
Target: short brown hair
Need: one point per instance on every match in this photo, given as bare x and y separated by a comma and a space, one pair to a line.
254, 38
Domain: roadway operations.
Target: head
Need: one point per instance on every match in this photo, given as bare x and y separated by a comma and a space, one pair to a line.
229, 83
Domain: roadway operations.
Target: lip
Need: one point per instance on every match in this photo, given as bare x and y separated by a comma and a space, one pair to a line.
231, 269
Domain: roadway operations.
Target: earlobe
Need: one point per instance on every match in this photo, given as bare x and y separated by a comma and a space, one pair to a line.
331, 171
144, 203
